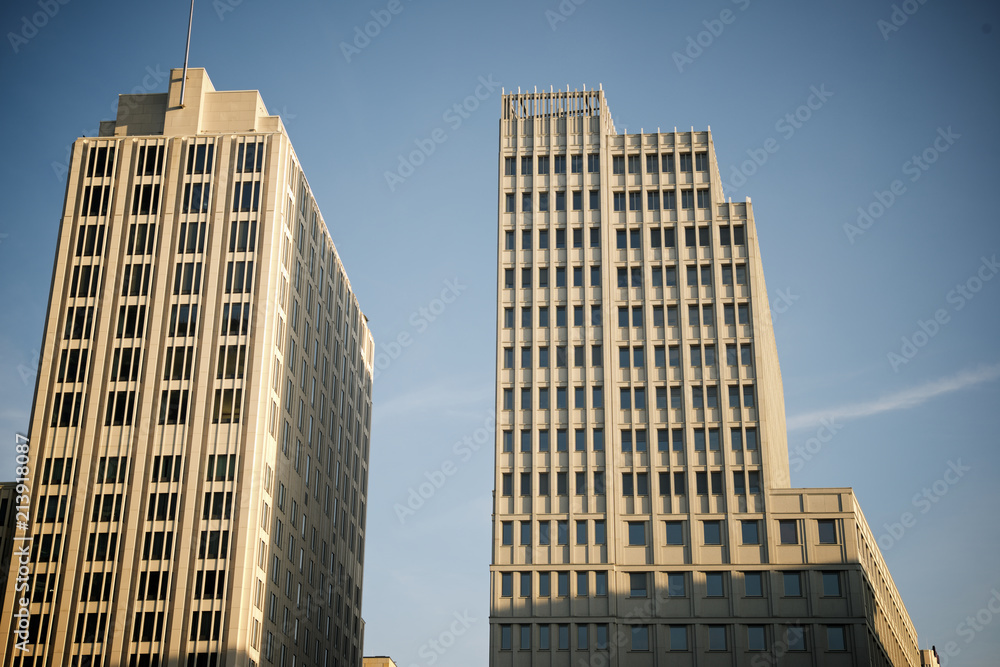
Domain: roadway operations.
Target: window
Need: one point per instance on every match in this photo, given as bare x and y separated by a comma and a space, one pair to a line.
634, 164
600, 536
652, 163
716, 638
543, 201
618, 201
543, 638
756, 640
675, 529
831, 584
701, 161
637, 533
507, 533
505, 635
543, 164
509, 205
635, 200
713, 532
576, 164
594, 203
788, 530
750, 532
526, 202
559, 164
617, 164
678, 638
675, 584
593, 163
581, 530
507, 584
835, 640
669, 203
827, 531
795, 637
685, 159
714, 584
560, 200
508, 166
793, 584
687, 202
637, 584
525, 586
753, 584
526, 165
703, 201
640, 637
577, 206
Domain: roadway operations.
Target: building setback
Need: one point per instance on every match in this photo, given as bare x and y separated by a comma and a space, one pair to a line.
643, 513
200, 428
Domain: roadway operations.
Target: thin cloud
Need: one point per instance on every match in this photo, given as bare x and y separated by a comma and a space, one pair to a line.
902, 400
434, 398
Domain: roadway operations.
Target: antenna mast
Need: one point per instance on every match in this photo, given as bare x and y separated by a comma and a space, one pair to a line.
187, 51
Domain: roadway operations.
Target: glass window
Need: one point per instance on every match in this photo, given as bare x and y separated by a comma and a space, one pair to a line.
795, 637
750, 532
675, 584
507, 532
505, 636
793, 584
787, 528
714, 585
713, 532
753, 584
637, 533
716, 638
640, 638
831, 584
675, 530
601, 583
637, 584
835, 640
506, 584
827, 531
678, 638
755, 638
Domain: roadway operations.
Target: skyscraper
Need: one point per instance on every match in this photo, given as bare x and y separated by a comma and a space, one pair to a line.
200, 428
642, 507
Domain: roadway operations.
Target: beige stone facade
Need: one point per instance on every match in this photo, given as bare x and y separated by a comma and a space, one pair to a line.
643, 514
205, 394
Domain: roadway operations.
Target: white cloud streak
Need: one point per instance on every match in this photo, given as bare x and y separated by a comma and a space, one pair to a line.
901, 400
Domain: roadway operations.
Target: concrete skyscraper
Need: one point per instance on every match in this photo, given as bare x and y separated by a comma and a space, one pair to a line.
643, 513
199, 436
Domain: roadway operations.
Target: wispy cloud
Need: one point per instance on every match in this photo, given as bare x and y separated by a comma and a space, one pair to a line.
451, 400
901, 400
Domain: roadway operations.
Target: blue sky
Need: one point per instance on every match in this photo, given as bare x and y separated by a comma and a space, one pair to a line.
905, 129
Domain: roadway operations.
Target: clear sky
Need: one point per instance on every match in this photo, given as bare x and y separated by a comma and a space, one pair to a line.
903, 125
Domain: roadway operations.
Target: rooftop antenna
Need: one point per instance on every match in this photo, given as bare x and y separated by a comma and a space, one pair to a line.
187, 52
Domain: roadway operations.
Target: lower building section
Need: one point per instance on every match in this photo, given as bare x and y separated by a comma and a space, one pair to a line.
816, 592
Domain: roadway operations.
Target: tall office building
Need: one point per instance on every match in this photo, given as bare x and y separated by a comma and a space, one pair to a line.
643, 512
200, 429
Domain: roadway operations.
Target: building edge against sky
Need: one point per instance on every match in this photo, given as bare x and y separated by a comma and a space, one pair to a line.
642, 500
200, 428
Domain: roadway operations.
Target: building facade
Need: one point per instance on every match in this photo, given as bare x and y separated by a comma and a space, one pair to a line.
200, 427
642, 509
